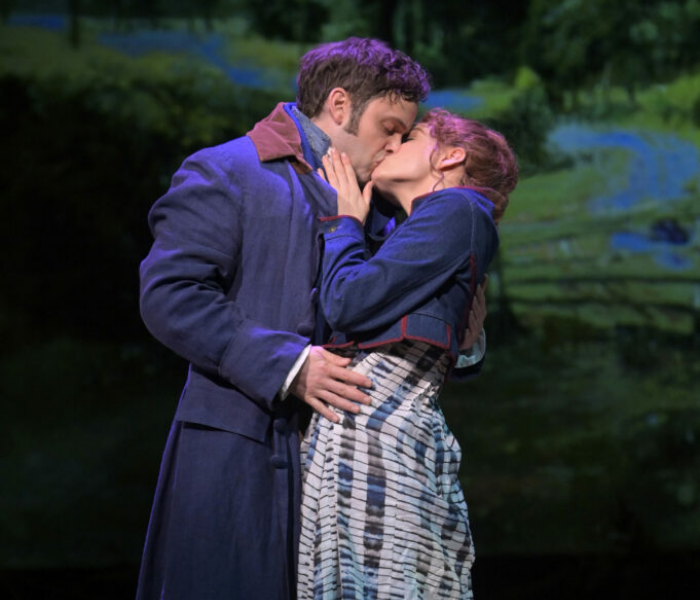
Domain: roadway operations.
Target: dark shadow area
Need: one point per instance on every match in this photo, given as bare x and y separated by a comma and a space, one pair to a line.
670, 575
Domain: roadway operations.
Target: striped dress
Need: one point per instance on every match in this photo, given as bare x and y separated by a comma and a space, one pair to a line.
383, 514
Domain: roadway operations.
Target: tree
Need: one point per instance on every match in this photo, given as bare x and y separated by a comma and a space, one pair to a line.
577, 44
291, 20
75, 32
458, 42
6, 7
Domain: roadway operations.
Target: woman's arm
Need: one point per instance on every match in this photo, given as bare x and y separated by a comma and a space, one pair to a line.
444, 230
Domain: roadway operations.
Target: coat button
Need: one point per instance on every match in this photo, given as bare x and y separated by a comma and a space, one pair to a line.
280, 425
305, 329
278, 462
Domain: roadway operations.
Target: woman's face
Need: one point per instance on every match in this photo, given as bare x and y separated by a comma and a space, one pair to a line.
410, 165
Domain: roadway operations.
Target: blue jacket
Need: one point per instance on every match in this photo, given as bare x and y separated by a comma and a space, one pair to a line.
420, 283
230, 285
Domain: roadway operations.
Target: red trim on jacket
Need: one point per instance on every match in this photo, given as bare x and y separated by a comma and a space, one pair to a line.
402, 337
335, 217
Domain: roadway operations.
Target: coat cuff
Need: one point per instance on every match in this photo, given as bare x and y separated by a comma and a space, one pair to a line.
342, 225
258, 360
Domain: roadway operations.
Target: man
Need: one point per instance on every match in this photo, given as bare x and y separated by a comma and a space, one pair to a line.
230, 285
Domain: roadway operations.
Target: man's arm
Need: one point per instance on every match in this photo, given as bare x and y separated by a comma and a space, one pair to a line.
193, 261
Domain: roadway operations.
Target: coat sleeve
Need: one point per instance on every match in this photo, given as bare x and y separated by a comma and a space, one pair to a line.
361, 293
186, 280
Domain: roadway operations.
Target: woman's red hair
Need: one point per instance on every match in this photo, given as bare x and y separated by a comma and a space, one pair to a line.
490, 164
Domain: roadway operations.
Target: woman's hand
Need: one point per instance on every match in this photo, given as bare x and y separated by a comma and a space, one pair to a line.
339, 174
477, 315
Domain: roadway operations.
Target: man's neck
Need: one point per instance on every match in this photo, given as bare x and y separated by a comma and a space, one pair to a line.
318, 140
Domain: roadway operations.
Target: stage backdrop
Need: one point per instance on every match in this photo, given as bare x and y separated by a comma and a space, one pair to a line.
580, 436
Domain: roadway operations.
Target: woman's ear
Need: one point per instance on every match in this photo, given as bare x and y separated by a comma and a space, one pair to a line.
339, 105
451, 157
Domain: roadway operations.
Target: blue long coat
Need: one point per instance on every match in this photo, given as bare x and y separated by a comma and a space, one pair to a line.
230, 285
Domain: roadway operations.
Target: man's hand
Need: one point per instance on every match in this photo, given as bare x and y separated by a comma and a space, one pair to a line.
477, 314
323, 380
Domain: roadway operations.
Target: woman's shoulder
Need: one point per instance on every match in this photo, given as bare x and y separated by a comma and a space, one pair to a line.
458, 201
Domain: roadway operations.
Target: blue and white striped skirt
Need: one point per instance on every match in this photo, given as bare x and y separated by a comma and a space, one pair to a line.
383, 513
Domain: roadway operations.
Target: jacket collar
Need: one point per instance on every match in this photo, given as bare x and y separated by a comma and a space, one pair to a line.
279, 136
481, 194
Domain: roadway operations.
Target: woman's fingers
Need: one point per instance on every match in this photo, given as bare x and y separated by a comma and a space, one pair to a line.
340, 168
340, 174
331, 177
367, 193
348, 169
336, 173
341, 164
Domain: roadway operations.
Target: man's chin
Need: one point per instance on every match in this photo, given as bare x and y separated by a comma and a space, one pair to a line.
364, 178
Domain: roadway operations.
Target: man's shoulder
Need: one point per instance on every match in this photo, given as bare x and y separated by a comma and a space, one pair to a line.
235, 150
235, 160
239, 155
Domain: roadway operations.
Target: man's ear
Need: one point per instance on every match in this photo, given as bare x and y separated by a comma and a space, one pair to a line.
451, 157
339, 105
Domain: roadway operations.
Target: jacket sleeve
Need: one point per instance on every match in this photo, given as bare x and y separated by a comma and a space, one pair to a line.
360, 294
186, 279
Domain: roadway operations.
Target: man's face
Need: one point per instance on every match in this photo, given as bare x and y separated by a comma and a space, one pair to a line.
379, 133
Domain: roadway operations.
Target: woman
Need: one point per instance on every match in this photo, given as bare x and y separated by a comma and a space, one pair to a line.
383, 514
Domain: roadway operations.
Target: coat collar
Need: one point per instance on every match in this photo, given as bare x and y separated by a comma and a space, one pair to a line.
278, 136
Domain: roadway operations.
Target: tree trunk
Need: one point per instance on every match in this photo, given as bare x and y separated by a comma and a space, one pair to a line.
74, 6
505, 325
384, 26
6, 7
605, 84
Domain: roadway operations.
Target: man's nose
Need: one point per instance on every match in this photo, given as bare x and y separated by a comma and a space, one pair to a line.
393, 143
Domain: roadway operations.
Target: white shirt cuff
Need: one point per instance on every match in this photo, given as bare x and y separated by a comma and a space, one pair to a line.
473, 354
296, 367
